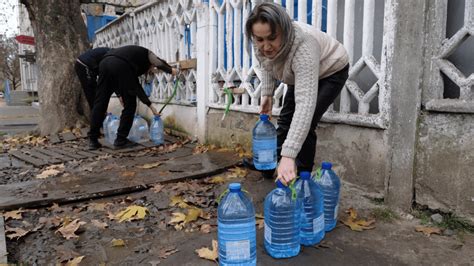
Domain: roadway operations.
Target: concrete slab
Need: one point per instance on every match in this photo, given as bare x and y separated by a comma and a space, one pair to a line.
3, 244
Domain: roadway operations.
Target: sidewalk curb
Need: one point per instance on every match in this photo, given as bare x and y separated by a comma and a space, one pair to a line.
3, 243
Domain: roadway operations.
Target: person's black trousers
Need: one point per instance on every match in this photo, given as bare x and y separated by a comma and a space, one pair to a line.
328, 90
88, 82
114, 74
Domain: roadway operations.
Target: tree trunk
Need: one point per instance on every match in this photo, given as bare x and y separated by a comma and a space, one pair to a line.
60, 36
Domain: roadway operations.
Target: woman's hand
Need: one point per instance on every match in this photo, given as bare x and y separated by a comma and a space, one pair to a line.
266, 105
154, 111
286, 170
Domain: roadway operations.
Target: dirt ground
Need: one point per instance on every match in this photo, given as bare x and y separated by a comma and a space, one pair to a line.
156, 239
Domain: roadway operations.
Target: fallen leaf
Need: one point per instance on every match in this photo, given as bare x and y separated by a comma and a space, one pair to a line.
111, 216
68, 231
48, 173
205, 215
55, 208
237, 172
64, 254
128, 174
75, 261
178, 217
157, 188
259, 223
15, 232
217, 180
208, 254
193, 215
99, 224
97, 206
357, 225
178, 200
205, 228
15, 215
54, 221
149, 165
165, 252
133, 212
117, 243
428, 230
259, 216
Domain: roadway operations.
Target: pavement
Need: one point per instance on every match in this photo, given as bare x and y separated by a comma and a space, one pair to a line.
156, 239
17, 119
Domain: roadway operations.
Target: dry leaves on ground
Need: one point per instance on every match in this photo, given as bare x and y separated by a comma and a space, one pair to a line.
99, 224
75, 261
216, 180
50, 171
259, 221
128, 174
15, 232
98, 206
133, 212
117, 243
205, 228
165, 252
15, 215
178, 200
428, 231
208, 254
149, 165
68, 230
157, 188
237, 172
355, 224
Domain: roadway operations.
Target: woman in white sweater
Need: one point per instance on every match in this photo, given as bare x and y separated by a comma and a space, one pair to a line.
315, 68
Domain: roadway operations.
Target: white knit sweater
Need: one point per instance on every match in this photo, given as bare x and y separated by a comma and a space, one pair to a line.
314, 55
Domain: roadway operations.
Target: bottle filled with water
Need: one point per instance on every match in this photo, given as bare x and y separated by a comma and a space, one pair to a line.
264, 144
236, 232
105, 124
139, 130
312, 215
282, 223
156, 131
112, 128
330, 184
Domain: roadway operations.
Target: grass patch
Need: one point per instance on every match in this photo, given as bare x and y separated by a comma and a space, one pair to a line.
453, 222
384, 214
377, 201
423, 215
3, 133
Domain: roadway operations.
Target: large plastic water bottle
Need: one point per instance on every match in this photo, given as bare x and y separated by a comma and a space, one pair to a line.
139, 130
282, 223
156, 130
112, 128
264, 145
105, 125
330, 184
312, 215
236, 228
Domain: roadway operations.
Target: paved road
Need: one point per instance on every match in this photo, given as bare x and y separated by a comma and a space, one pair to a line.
17, 119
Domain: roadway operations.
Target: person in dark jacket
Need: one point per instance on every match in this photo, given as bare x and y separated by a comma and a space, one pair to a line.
119, 72
87, 70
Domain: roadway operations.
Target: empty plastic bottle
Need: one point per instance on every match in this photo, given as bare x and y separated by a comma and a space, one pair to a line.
330, 184
156, 130
312, 215
139, 130
282, 223
236, 232
112, 128
105, 124
264, 145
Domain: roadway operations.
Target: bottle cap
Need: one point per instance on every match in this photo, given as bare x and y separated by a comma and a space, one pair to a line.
305, 175
264, 117
326, 165
234, 187
280, 184
156, 117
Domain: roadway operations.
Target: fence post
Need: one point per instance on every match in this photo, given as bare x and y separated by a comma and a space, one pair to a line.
403, 65
202, 69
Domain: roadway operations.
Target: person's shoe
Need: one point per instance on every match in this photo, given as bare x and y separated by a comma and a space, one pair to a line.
94, 144
123, 143
248, 163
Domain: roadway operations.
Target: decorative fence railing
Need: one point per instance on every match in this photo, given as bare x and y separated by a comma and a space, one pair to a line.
169, 28
439, 59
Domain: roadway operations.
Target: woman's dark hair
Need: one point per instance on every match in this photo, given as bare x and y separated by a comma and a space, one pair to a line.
270, 13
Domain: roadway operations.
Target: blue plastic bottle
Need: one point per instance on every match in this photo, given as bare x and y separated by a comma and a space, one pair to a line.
312, 214
105, 124
330, 184
236, 232
282, 223
112, 128
156, 130
264, 145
